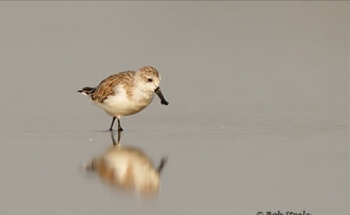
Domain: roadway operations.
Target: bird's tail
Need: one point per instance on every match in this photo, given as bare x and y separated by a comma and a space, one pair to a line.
87, 91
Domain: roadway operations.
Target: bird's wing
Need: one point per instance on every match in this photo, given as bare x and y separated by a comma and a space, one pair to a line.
107, 86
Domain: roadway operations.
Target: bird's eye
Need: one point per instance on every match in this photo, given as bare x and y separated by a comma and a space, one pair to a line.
149, 80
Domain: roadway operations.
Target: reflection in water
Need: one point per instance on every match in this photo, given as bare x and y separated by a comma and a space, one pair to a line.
119, 136
127, 167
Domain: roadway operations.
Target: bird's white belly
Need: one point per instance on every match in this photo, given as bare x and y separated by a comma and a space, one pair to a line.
121, 105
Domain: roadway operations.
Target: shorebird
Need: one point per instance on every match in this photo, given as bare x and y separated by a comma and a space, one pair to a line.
126, 93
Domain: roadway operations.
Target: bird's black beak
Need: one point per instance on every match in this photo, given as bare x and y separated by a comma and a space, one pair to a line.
160, 95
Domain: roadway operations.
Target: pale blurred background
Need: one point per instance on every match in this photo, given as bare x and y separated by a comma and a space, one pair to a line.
258, 117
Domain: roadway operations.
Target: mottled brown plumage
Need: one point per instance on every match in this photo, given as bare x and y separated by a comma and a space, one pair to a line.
106, 87
126, 79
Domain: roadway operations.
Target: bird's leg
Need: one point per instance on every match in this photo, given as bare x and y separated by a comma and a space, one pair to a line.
111, 128
119, 126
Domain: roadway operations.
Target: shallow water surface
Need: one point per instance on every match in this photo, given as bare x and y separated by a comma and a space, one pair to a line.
258, 114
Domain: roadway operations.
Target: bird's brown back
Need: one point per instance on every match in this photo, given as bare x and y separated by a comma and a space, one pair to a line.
106, 87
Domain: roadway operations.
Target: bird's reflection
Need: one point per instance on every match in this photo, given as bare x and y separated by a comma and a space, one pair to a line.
119, 136
127, 167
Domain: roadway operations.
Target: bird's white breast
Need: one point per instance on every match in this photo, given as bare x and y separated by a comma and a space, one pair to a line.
121, 104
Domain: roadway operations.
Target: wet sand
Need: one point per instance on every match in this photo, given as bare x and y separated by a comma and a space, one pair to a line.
258, 117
